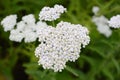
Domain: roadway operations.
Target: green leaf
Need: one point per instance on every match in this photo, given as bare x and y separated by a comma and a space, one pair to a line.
76, 72
116, 64
107, 73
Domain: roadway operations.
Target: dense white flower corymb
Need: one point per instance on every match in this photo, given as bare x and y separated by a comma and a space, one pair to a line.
50, 14
114, 22
61, 44
9, 22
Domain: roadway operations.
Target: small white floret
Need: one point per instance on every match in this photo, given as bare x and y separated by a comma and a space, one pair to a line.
114, 22
95, 9
9, 22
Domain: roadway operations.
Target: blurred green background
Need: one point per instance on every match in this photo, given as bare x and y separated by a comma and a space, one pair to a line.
100, 60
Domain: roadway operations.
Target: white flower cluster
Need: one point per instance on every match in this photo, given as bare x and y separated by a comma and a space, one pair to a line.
102, 26
61, 44
24, 29
51, 14
57, 45
114, 22
95, 9
9, 22
102, 23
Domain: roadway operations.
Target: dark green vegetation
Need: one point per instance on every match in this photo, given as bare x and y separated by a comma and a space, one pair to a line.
100, 60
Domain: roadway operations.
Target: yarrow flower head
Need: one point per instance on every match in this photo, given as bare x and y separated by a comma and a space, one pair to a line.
9, 22
101, 22
51, 14
102, 26
61, 44
114, 22
26, 29
95, 9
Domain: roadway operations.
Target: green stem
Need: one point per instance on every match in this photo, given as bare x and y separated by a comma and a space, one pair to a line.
53, 23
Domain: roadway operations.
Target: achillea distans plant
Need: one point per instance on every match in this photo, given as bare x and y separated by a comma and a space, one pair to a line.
58, 45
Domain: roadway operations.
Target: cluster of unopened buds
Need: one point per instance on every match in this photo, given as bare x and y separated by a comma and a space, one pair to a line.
58, 45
